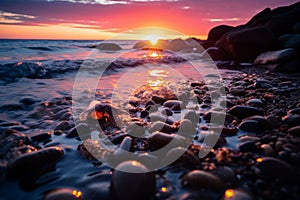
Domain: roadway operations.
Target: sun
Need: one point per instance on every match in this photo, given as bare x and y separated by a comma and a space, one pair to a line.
152, 38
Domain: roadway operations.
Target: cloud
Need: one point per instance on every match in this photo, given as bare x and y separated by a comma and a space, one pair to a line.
103, 2
224, 19
13, 18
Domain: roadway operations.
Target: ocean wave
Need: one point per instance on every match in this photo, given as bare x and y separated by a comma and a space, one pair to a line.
40, 48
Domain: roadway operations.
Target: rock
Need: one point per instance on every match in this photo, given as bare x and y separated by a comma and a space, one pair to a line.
154, 118
215, 53
109, 47
242, 112
144, 113
63, 193
192, 116
291, 120
187, 128
263, 123
257, 40
295, 131
160, 126
80, 130
267, 150
178, 45
249, 126
289, 67
260, 18
174, 105
247, 147
216, 117
136, 129
63, 126
233, 194
275, 168
158, 99
159, 140
226, 104
279, 56
40, 137
207, 44
198, 179
296, 28
187, 158
216, 32
294, 111
167, 111
227, 175
135, 186
255, 103
289, 41
34, 162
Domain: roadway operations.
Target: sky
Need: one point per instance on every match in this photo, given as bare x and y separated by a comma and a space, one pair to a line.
104, 19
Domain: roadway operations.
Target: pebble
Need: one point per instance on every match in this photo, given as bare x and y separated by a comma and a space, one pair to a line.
291, 120
63, 126
275, 168
187, 128
155, 117
136, 129
34, 162
79, 130
198, 179
192, 116
167, 111
267, 150
174, 105
144, 114
160, 126
216, 117
135, 186
63, 193
159, 140
226, 104
295, 131
187, 158
227, 175
158, 99
233, 194
249, 126
243, 112
255, 103
248, 146
40, 137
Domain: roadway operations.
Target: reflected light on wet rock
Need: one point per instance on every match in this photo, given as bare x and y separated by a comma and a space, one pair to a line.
163, 189
229, 193
135, 163
259, 160
77, 194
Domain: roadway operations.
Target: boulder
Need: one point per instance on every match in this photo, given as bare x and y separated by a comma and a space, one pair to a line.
289, 67
215, 53
289, 41
245, 44
279, 56
296, 28
216, 32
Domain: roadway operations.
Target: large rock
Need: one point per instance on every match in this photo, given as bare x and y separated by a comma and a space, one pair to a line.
279, 56
260, 18
245, 44
289, 67
216, 32
289, 41
296, 28
215, 53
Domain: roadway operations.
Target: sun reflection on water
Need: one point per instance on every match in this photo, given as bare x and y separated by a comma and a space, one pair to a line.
156, 79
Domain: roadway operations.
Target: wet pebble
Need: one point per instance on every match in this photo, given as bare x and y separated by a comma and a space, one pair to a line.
198, 179
291, 120
227, 175
158, 99
267, 150
34, 162
80, 130
192, 116
255, 103
40, 137
63, 194
243, 112
63, 126
159, 140
182, 156
167, 111
248, 146
174, 105
233, 194
161, 126
135, 186
136, 129
295, 131
155, 117
249, 126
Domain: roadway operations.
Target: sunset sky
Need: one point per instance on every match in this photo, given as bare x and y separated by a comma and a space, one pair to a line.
101, 19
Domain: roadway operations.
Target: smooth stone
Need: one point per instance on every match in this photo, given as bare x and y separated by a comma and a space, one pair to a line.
192, 116
158, 99
248, 146
79, 130
187, 158
291, 120
155, 118
266, 149
216, 117
167, 111
63, 194
136, 129
226, 104
144, 113
288, 67
294, 111
34, 162
63, 126
159, 140
247, 138
296, 28
233, 194
161, 127
187, 128
40, 137
174, 105
263, 123
279, 56
255, 103
150, 103
275, 168
227, 175
290, 41
242, 112
135, 186
295, 131
198, 179
249, 126
121, 154
151, 108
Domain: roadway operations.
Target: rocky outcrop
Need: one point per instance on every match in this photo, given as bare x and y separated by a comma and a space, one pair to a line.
271, 31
